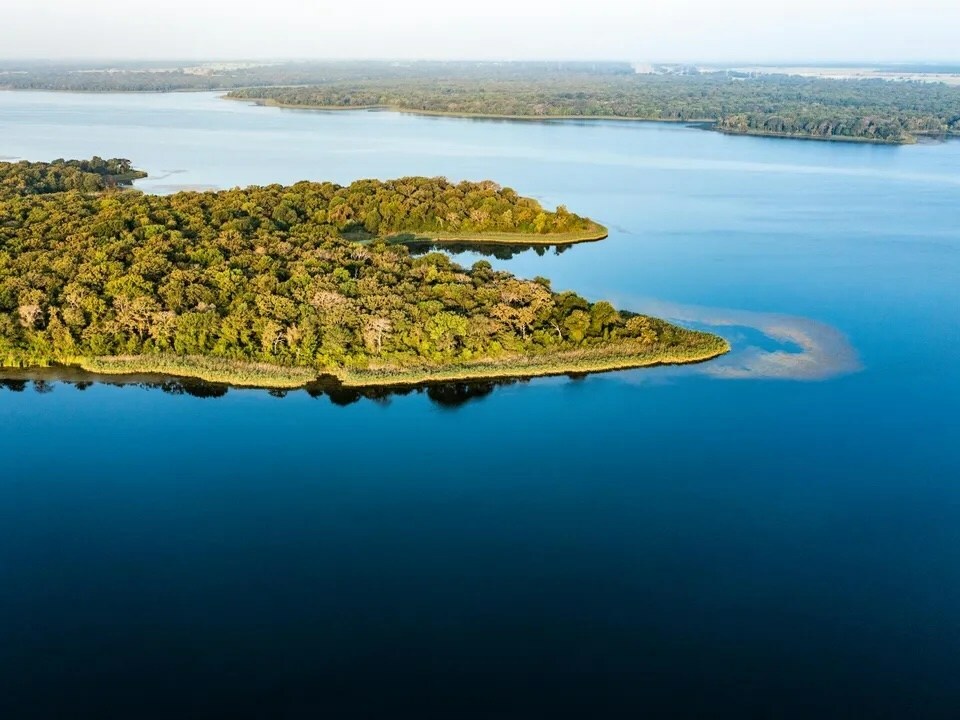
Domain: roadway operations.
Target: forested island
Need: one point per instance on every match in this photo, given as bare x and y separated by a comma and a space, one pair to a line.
270, 286
817, 108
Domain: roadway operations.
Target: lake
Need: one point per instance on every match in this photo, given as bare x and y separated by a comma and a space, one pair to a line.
772, 534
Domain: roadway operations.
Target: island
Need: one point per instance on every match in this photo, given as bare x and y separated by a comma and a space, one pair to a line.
275, 286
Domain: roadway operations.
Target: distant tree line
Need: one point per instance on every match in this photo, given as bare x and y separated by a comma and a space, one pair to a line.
736, 102
169, 77
876, 110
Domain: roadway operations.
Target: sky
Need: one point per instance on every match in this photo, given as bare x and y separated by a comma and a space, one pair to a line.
633, 30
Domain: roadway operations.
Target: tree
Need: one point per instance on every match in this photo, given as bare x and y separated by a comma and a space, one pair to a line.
577, 323
374, 330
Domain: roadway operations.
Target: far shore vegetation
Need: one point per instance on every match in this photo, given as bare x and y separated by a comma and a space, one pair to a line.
254, 94
268, 286
876, 111
729, 100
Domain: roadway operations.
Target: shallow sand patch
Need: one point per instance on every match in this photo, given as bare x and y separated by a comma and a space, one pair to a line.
823, 352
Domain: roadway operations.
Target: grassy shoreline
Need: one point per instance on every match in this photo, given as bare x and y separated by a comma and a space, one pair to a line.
571, 363
592, 234
208, 369
268, 376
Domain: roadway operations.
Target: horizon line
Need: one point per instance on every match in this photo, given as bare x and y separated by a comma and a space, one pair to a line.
488, 60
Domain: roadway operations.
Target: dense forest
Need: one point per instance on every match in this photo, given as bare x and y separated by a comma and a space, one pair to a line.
415, 206
94, 175
211, 283
871, 110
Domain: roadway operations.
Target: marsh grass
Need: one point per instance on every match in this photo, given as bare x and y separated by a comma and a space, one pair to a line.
595, 232
701, 347
697, 347
591, 234
210, 369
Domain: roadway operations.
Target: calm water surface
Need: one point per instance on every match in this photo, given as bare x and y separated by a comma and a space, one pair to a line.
774, 534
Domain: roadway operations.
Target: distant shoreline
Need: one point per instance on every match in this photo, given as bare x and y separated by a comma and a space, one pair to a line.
267, 102
704, 123
822, 138
188, 91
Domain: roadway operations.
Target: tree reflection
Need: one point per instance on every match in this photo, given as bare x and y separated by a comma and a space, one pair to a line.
447, 395
500, 251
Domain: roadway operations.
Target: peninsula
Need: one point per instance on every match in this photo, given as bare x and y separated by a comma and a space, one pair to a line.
877, 111
268, 286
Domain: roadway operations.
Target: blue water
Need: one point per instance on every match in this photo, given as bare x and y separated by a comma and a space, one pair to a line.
774, 534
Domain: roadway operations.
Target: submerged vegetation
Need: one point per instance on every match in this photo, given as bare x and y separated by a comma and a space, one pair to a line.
259, 286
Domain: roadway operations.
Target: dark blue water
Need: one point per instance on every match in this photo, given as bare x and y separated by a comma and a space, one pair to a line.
775, 534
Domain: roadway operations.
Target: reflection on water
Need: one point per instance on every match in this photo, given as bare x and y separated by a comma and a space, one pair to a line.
447, 394
452, 394
47, 379
500, 251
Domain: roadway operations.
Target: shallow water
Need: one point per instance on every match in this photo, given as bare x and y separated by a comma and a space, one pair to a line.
775, 533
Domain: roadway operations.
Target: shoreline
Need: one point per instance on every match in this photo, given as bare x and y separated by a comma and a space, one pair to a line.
267, 102
114, 92
265, 376
701, 123
710, 124
822, 138
594, 234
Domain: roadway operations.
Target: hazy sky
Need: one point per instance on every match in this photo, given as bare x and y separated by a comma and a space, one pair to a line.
666, 30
